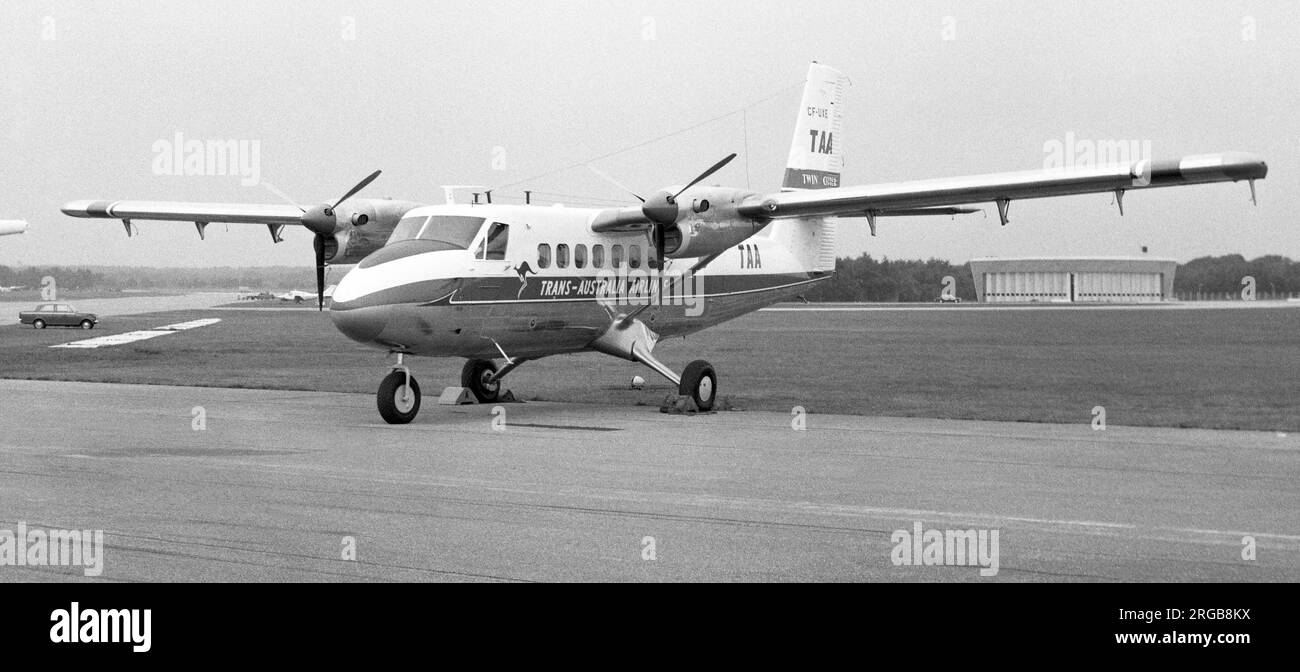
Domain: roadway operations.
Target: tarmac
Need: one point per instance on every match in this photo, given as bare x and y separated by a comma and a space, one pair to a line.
215, 484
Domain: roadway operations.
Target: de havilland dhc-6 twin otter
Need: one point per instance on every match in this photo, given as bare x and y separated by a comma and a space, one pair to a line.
522, 282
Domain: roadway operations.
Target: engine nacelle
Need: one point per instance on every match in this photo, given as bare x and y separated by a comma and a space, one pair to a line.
699, 238
709, 223
364, 226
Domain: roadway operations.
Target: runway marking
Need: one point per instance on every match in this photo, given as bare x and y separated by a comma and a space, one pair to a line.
133, 336
580, 427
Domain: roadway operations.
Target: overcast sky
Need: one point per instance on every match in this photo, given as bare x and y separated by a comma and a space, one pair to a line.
510, 93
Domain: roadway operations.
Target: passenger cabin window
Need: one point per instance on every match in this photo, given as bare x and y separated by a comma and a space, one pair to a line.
494, 243
543, 256
580, 256
616, 256
597, 256
634, 256
562, 256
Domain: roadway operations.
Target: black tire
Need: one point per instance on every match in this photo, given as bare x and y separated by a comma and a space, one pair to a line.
701, 383
473, 375
392, 408
39, 324
87, 324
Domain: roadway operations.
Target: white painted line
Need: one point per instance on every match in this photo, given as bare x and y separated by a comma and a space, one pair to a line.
133, 336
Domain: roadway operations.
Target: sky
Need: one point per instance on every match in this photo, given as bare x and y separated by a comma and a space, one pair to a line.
513, 94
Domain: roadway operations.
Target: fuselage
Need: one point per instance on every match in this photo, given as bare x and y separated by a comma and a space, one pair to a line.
461, 280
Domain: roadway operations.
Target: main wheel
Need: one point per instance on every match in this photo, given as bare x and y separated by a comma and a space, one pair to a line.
398, 404
475, 376
87, 324
39, 324
701, 383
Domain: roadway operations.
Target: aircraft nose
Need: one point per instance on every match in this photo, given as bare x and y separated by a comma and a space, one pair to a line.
362, 325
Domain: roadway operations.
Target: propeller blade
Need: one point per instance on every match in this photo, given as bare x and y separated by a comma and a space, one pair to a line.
281, 194
362, 185
614, 182
705, 175
319, 244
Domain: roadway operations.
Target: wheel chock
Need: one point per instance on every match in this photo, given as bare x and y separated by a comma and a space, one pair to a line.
679, 404
456, 396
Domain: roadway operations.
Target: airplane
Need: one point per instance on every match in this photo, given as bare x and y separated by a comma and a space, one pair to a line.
11, 226
297, 296
522, 282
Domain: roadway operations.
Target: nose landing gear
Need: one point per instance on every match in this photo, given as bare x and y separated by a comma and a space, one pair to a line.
399, 395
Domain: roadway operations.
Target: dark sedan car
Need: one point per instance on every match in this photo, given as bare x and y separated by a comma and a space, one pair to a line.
58, 315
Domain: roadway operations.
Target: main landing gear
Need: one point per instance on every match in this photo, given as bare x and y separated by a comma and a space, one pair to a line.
700, 382
630, 338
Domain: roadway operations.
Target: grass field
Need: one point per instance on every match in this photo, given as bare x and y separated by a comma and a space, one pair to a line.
1212, 368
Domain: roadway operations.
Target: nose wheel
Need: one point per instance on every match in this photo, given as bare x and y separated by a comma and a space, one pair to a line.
398, 397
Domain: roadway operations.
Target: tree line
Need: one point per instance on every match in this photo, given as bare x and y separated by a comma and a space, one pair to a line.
863, 278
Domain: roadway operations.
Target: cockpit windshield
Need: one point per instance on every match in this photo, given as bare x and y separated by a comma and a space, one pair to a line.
457, 231
408, 228
454, 232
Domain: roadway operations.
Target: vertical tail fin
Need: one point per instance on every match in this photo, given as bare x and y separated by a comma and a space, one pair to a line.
815, 160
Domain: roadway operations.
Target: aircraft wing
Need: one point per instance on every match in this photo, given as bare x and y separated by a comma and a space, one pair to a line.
202, 214
12, 226
1002, 188
633, 219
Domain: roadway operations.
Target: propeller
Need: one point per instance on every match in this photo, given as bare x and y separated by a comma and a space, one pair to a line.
320, 220
662, 209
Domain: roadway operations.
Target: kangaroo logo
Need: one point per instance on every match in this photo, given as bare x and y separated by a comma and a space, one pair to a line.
523, 269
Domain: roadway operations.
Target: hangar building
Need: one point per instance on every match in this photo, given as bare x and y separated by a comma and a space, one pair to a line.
1073, 279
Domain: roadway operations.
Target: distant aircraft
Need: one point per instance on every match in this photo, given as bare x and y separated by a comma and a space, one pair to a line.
12, 226
295, 295
523, 282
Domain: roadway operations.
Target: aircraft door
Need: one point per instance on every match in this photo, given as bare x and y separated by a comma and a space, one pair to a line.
492, 259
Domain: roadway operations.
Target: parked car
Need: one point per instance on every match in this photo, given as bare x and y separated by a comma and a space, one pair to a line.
948, 298
58, 315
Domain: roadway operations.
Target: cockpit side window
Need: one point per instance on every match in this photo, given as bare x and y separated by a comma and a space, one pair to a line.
494, 243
